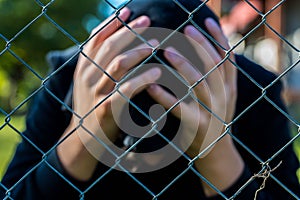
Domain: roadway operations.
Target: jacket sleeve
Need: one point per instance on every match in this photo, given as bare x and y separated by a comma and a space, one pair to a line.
261, 131
248, 191
35, 158
264, 130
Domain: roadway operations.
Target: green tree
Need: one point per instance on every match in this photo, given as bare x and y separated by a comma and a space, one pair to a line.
31, 28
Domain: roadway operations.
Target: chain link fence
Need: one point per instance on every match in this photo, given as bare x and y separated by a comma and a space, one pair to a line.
264, 174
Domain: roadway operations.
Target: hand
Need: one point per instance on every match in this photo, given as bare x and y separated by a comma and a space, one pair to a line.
96, 76
100, 66
217, 91
221, 164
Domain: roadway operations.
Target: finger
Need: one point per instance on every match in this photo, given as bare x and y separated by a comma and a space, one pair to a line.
189, 73
108, 27
209, 55
230, 72
139, 83
182, 65
132, 87
122, 64
120, 39
217, 33
203, 47
165, 99
110, 48
100, 33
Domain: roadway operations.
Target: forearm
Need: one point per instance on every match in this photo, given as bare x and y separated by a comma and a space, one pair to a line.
221, 167
30, 177
74, 156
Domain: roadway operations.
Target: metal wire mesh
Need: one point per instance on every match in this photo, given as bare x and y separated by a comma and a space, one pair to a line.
265, 172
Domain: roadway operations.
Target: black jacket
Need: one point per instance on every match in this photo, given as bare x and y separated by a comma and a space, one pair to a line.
36, 172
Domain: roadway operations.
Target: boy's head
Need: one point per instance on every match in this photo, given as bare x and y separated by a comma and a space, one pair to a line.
171, 14
168, 14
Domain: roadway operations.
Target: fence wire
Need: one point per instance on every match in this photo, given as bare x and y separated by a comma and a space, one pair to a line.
266, 171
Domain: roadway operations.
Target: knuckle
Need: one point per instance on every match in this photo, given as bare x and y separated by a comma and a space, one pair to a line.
118, 64
104, 109
179, 61
128, 87
84, 77
109, 45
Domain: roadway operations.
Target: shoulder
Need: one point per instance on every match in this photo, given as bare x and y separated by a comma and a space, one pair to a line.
254, 72
254, 78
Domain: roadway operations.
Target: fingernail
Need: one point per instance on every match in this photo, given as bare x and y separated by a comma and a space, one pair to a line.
124, 12
143, 21
191, 31
155, 72
211, 22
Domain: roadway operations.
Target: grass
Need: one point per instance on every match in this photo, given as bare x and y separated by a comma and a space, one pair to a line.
9, 138
297, 149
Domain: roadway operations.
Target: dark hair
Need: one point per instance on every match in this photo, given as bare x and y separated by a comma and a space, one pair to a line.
171, 13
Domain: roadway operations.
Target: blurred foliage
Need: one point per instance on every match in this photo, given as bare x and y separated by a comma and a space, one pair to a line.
9, 139
27, 34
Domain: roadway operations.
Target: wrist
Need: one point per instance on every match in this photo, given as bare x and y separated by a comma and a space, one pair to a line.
74, 156
222, 166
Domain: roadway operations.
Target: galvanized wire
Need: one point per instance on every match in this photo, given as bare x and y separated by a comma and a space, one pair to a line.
265, 168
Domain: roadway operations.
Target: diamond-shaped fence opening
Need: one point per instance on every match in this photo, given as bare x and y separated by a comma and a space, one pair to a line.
14, 84
9, 138
24, 16
142, 120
